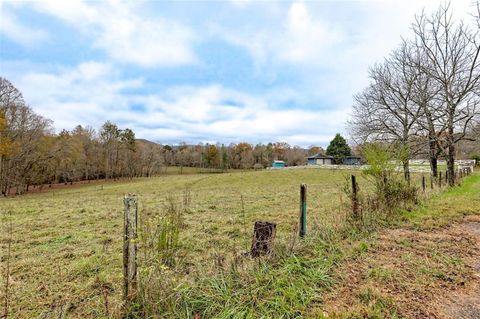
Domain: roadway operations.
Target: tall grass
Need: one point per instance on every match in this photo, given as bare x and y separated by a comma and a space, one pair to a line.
6, 289
282, 285
289, 283
160, 250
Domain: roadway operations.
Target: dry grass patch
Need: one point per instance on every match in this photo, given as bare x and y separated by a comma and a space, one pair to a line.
411, 274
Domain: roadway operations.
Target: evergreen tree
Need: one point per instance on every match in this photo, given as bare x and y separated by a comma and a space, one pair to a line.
339, 149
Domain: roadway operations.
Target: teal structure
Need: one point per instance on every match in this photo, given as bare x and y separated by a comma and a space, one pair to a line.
278, 164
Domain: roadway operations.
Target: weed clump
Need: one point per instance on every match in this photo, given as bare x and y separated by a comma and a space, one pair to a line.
390, 191
160, 250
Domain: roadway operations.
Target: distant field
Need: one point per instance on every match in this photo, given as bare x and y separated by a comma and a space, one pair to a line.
65, 240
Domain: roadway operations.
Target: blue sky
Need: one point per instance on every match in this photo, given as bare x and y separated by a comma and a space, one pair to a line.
192, 71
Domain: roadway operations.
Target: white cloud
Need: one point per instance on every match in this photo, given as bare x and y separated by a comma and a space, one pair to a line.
325, 52
298, 38
11, 28
92, 93
82, 95
241, 3
328, 46
317, 34
305, 39
125, 33
208, 113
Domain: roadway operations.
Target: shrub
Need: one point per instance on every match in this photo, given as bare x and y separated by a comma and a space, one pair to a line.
390, 189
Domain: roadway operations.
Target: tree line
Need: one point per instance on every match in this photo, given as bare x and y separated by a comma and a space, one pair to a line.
424, 97
31, 153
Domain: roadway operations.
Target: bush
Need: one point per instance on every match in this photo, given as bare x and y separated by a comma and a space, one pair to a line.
390, 189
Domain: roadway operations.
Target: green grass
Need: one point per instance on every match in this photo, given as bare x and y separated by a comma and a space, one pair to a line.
416, 256
64, 240
67, 244
445, 207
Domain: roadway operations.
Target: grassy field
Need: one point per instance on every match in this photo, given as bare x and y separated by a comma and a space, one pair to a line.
64, 240
66, 252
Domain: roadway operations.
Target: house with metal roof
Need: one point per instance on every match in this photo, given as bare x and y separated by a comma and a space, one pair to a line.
318, 159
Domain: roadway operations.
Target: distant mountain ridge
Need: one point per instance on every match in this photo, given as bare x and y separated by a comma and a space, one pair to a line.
144, 141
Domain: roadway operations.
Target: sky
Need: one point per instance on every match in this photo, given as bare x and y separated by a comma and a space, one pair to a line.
193, 71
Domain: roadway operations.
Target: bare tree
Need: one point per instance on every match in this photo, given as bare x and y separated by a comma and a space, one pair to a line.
426, 96
21, 135
386, 111
451, 51
110, 137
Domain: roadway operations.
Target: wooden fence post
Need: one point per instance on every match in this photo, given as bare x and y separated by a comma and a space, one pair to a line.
354, 197
302, 230
431, 181
130, 282
263, 238
440, 179
423, 183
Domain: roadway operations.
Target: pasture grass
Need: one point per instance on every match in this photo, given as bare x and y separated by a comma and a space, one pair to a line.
66, 258
67, 241
448, 206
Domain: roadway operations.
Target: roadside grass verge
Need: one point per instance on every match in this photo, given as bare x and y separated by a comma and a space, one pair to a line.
448, 206
416, 262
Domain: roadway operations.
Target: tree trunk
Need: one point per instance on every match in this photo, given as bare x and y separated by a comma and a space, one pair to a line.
1, 172
433, 157
451, 165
